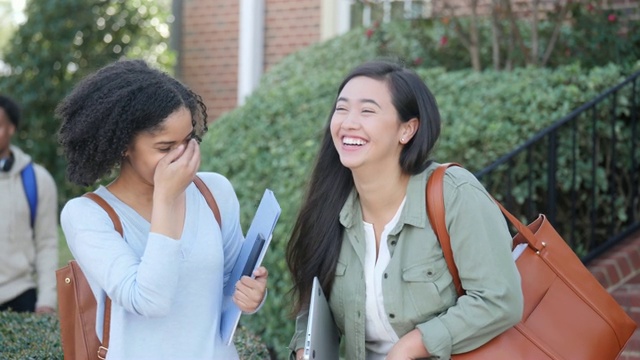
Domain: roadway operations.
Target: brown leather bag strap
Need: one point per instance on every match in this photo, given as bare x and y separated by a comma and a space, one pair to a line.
105, 205
436, 213
435, 210
211, 201
106, 322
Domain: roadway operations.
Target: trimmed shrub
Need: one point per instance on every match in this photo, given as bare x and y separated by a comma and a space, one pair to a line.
37, 336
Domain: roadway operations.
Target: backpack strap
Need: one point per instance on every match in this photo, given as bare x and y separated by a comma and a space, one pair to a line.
211, 201
31, 190
435, 210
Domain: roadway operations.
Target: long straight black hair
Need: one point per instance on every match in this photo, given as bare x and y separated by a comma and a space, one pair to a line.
315, 242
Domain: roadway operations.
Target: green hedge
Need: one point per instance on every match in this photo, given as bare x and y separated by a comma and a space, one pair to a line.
271, 141
33, 336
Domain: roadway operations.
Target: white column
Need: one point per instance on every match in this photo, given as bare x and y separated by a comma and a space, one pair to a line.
335, 18
366, 15
344, 16
251, 47
386, 8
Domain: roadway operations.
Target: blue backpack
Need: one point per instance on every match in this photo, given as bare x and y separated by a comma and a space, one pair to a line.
31, 189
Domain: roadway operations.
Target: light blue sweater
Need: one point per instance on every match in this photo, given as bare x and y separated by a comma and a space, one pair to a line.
166, 294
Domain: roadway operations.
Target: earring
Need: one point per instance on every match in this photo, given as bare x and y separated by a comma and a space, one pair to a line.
402, 141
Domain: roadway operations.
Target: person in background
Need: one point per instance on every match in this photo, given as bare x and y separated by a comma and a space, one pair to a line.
165, 278
382, 268
28, 224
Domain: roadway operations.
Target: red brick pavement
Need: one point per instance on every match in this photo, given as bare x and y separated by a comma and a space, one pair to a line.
618, 271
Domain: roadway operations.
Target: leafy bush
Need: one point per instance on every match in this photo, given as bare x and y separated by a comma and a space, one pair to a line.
29, 336
271, 141
598, 36
590, 34
34, 336
51, 51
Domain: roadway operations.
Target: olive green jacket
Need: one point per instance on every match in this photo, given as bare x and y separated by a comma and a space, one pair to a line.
418, 289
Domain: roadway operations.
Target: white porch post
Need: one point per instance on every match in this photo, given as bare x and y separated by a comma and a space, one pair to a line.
251, 47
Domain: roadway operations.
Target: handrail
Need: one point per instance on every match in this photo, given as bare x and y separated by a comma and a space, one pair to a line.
592, 201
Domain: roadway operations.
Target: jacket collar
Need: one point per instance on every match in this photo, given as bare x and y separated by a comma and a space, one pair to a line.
414, 212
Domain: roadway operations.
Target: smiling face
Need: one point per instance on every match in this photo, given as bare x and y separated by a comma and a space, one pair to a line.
148, 147
365, 126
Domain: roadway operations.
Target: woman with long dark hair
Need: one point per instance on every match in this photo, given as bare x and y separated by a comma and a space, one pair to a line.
363, 230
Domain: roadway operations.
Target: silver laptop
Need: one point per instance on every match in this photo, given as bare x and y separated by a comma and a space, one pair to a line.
323, 338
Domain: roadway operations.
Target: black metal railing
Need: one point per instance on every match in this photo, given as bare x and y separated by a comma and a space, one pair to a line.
582, 172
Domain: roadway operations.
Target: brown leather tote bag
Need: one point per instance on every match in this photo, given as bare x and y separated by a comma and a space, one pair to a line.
567, 313
77, 305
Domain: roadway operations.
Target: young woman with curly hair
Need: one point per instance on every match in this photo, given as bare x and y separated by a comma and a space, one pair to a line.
382, 267
165, 278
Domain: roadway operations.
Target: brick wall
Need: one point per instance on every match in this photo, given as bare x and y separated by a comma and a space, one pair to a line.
289, 26
209, 57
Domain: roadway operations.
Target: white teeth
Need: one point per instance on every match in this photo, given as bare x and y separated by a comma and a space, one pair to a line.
353, 141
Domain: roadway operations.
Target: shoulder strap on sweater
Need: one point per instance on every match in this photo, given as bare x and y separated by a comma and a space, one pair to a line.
106, 323
435, 210
211, 201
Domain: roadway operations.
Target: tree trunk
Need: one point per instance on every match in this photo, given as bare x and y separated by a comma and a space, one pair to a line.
556, 32
474, 37
496, 32
534, 32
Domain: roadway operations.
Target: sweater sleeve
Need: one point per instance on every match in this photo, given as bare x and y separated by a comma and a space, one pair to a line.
46, 238
481, 245
144, 286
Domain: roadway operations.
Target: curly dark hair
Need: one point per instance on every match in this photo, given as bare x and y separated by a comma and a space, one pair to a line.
108, 108
11, 108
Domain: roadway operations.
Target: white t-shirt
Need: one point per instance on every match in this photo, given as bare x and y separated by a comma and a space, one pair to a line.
379, 335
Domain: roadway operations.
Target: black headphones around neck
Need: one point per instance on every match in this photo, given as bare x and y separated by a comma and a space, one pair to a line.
6, 163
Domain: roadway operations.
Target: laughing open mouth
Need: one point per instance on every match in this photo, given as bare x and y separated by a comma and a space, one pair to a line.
349, 141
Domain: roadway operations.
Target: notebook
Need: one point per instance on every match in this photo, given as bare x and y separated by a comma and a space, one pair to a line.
251, 254
322, 338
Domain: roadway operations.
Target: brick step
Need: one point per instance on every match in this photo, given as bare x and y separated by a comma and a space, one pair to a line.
632, 350
618, 270
628, 296
620, 265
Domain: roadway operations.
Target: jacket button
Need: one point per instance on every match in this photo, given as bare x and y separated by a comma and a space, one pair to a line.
385, 275
392, 316
393, 242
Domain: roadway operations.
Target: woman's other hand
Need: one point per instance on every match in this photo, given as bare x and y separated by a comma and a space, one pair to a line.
250, 291
409, 347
